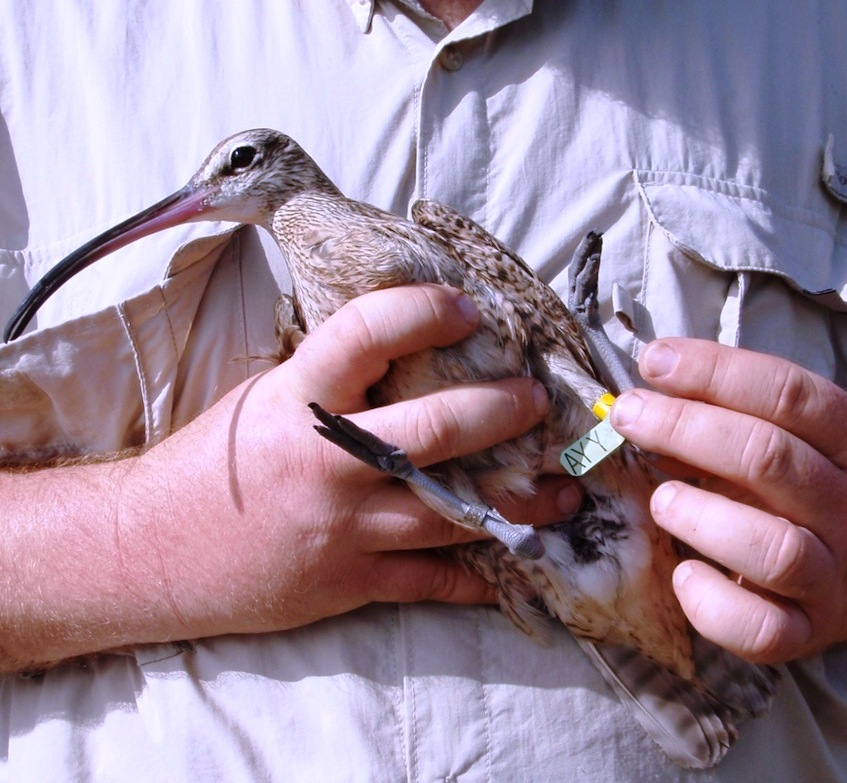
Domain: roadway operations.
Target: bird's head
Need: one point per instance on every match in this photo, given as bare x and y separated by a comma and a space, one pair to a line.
249, 175
244, 179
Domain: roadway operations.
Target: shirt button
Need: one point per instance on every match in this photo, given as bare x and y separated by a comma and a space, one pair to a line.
451, 59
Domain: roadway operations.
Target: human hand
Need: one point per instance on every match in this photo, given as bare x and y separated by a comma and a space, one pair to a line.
774, 438
281, 528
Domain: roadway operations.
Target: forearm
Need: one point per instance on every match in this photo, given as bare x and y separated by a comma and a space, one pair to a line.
100, 555
87, 561
70, 575
246, 521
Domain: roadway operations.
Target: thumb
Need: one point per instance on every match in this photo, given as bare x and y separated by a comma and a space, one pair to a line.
409, 577
351, 351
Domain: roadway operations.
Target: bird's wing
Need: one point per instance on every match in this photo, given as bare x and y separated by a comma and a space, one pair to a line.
460, 229
499, 266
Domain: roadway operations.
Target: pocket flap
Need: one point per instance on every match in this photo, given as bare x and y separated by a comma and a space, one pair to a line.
737, 228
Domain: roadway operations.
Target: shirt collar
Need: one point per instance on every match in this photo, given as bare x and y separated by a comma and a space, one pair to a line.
498, 12
363, 11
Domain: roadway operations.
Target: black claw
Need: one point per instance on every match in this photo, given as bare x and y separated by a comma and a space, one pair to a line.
584, 276
522, 540
585, 273
361, 443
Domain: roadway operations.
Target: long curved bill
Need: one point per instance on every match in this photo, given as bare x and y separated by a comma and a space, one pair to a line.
188, 203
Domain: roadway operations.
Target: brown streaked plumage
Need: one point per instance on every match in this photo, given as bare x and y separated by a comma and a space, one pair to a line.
605, 574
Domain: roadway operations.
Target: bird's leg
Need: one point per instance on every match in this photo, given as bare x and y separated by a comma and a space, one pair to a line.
582, 302
289, 333
522, 540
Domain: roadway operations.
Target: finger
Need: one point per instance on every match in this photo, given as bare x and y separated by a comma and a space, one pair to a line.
766, 387
425, 576
349, 352
452, 422
785, 473
395, 520
556, 499
766, 550
758, 628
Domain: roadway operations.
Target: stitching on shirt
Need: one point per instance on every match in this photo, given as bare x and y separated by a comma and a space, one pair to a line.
397, 698
150, 425
171, 332
645, 277
487, 196
733, 191
486, 706
234, 252
406, 702
413, 723
140, 373
417, 84
788, 274
424, 183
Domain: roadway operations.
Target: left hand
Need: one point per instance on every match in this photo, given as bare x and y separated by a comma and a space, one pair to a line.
773, 439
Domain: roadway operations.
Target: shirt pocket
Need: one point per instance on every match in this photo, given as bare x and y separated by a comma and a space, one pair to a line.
726, 262
109, 380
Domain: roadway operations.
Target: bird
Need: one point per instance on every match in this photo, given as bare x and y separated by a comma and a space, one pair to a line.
606, 572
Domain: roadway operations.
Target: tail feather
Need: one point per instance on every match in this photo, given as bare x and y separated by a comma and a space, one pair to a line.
689, 725
744, 687
694, 722
691, 712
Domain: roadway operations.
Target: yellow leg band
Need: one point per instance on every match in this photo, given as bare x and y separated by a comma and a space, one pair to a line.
603, 406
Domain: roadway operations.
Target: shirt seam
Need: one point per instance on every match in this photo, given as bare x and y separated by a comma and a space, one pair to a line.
140, 373
754, 195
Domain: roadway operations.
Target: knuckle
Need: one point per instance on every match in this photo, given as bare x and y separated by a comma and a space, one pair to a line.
777, 632
442, 584
422, 578
765, 640
509, 409
787, 557
673, 425
766, 455
377, 584
350, 327
796, 390
435, 303
713, 365
438, 426
360, 329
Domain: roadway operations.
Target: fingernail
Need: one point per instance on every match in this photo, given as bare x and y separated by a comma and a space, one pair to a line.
681, 574
468, 309
569, 499
662, 498
540, 398
659, 359
627, 409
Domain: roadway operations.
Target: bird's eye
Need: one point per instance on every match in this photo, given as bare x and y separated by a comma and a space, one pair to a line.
242, 157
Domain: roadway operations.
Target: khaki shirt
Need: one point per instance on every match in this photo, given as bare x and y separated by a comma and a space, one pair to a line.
692, 135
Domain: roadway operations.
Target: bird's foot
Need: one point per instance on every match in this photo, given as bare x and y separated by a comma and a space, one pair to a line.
289, 332
584, 274
522, 540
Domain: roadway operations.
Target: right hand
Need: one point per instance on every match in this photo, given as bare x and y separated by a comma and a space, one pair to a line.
264, 525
